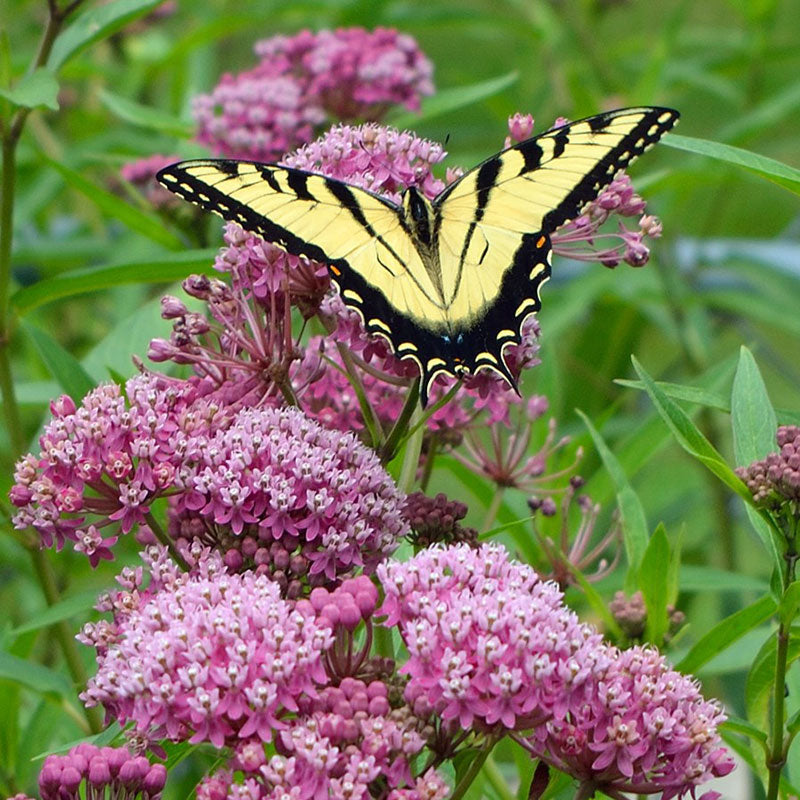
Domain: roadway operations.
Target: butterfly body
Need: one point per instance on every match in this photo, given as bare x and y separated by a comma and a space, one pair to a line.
447, 282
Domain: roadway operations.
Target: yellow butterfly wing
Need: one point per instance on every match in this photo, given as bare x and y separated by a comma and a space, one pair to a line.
495, 221
359, 235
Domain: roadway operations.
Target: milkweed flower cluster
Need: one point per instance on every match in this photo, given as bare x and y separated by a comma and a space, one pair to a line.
89, 771
489, 642
491, 646
775, 479
279, 478
635, 725
306, 81
204, 656
106, 460
295, 496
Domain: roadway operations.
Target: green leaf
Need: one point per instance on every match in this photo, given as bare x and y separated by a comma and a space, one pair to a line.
62, 365
38, 88
745, 728
163, 269
724, 634
704, 397
690, 394
789, 604
452, 99
146, 116
692, 440
33, 676
96, 24
65, 609
149, 225
689, 436
769, 168
653, 583
634, 523
753, 418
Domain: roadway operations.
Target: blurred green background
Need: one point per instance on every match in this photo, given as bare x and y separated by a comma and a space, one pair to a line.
725, 273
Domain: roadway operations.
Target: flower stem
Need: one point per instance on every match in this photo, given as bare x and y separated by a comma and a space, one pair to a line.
474, 768
389, 447
777, 757
496, 780
494, 507
408, 470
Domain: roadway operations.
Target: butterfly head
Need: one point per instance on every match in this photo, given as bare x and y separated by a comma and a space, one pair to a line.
418, 215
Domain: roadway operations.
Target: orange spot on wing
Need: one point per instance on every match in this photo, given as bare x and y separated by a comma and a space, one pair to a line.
542, 240
334, 270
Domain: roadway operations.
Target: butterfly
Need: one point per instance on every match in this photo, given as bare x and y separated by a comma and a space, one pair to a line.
447, 282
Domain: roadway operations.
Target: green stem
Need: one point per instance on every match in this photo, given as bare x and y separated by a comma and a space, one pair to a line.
496, 780
64, 635
164, 538
777, 755
472, 773
388, 449
408, 470
494, 507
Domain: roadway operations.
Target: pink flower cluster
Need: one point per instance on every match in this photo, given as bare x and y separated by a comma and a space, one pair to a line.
492, 646
305, 81
204, 656
265, 476
275, 475
489, 643
774, 480
343, 741
89, 771
106, 461
634, 725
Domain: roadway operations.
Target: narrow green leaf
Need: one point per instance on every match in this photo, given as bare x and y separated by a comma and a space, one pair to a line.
742, 726
149, 225
653, 583
703, 397
452, 99
65, 609
789, 604
163, 269
752, 415
39, 88
723, 635
634, 523
769, 168
692, 440
760, 683
146, 116
690, 394
689, 436
62, 365
33, 676
96, 24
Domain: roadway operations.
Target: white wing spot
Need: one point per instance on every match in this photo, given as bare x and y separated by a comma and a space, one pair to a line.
666, 116
169, 178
